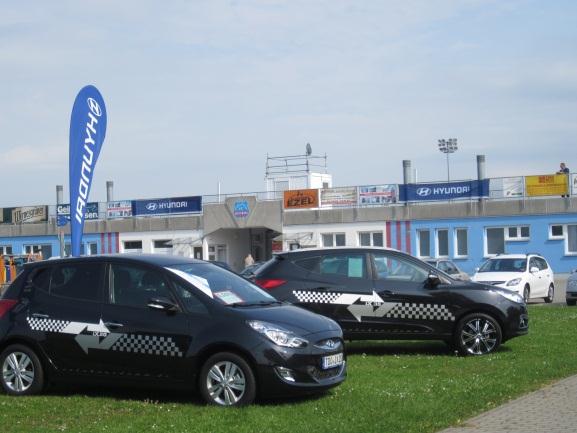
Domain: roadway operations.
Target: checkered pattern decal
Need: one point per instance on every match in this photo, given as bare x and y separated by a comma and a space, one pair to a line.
315, 297
46, 325
421, 311
147, 344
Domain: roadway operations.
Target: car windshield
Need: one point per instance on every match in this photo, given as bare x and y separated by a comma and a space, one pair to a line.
221, 285
504, 265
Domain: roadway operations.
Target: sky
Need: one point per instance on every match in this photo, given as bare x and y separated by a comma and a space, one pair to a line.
199, 92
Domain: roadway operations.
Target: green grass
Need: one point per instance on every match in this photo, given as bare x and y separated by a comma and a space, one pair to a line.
392, 387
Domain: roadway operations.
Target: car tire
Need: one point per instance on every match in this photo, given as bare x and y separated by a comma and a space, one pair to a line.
22, 372
226, 379
477, 334
571, 302
526, 293
550, 294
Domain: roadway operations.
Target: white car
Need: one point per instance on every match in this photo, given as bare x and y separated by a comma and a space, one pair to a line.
527, 274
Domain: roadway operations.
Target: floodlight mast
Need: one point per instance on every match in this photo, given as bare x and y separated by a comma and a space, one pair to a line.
448, 146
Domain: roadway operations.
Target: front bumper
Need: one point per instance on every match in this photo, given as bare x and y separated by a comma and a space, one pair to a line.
517, 322
571, 296
303, 366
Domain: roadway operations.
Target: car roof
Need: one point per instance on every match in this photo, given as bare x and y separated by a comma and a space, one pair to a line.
336, 249
153, 259
514, 256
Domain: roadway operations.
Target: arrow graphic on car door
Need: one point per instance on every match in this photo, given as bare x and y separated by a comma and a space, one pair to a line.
368, 308
87, 341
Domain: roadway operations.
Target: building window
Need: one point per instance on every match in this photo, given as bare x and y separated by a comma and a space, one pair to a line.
461, 243
494, 241
45, 251
5, 250
92, 248
333, 239
556, 231
163, 246
424, 243
132, 246
571, 243
517, 233
371, 239
442, 243
217, 253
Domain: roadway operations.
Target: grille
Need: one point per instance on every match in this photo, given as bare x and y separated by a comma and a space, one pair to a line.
325, 374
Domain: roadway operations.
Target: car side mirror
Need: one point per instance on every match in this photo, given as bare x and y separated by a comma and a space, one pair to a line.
163, 304
534, 269
433, 280
477, 269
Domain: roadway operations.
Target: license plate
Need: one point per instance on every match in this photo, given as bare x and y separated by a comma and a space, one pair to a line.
332, 361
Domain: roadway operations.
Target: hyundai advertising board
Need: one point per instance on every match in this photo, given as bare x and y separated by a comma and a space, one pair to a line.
175, 205
444, 191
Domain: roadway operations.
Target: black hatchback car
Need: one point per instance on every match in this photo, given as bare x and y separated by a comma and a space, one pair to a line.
377, 293
161, 320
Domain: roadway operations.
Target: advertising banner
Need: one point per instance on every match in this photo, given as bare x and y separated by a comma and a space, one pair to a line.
377, 194
548, 184
574, 184
506, 187
167, 206
301, 199
444, 191
29, 214
87, 132
118, 209
90, 211
339, 196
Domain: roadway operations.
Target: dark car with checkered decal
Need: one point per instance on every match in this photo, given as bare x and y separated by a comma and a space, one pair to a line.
378, 293
162, 321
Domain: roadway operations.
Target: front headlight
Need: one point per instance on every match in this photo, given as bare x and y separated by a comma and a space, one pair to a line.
277, 334
514, 282
511, 296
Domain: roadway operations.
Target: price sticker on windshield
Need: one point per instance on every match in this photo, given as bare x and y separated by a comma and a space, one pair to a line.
228, 297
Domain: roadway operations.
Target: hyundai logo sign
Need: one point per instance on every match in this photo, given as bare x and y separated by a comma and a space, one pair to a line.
151, 207
94, 107
423, 192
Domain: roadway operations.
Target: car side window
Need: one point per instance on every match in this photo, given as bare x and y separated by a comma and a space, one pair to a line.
533, 263
398, 269
542, 263
444, 266
190, 301
345, 265
135, 286
451, 268
40, 279
80, 281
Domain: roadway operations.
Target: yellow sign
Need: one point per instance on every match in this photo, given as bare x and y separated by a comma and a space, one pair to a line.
549, 184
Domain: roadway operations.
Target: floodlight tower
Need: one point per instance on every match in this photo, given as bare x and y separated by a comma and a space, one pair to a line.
447, 147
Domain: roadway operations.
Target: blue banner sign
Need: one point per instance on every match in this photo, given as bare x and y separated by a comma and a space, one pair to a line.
444, 191
87, 132
167, 206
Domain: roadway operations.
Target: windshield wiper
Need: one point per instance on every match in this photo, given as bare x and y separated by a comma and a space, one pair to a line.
253, 304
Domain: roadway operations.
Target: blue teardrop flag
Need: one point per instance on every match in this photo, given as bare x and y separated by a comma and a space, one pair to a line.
87, 132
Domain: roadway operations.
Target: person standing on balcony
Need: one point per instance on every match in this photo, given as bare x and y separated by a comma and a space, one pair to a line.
563, 169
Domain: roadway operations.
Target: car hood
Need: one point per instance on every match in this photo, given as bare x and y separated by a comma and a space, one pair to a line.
296, 319
496, 276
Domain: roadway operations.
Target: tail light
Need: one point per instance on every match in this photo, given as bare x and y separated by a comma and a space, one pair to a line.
6, 305
269, 284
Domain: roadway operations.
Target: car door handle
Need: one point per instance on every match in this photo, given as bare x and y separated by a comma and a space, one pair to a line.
113, 325
40, 316
388, 293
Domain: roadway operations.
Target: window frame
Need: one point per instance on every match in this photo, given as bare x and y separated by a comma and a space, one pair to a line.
334, 239
419, 252
456, 231
371, 238
437, 244
518, 237
553, 237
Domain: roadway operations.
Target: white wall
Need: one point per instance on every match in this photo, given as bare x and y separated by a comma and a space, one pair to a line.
183, 245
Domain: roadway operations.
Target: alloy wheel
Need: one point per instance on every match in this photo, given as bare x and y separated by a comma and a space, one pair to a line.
479, 336
18, 372
226, 383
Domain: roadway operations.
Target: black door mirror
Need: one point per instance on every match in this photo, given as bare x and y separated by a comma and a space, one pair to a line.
162, 303
433, 280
